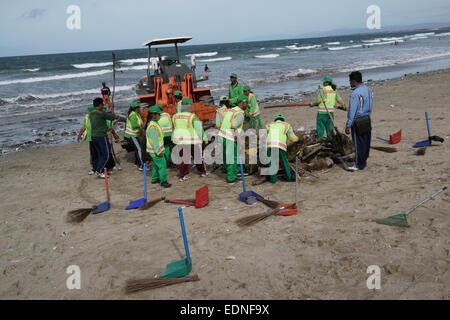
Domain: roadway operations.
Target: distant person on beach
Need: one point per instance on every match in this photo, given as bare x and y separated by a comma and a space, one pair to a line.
105, 95
178, 97
133, 128
358, 119
326, 99
206, 68
99, 132
234, 89
252, 112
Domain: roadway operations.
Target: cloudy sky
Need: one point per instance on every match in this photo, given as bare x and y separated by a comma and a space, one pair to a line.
39, 26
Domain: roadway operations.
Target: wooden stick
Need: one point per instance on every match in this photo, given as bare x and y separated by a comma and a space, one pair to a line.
287, 105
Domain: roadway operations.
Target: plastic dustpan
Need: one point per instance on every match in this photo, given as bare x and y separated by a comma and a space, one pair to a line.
398, 220
424, 143
181, 267
139, 202
104, 206
393, 138
201, 198
290, 211
248, 197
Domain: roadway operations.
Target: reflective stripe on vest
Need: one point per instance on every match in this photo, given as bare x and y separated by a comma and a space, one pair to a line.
129, 130
165, 122
225, 128
160, 132
184, 132
277, 135
328, 96
251, 96
221, 111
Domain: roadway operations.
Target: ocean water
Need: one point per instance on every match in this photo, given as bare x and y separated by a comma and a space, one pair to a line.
43, 98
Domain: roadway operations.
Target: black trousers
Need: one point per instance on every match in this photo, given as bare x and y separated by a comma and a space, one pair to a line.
362, 148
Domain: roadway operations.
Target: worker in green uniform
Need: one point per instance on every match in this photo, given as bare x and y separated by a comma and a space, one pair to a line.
133, 127
224, 104
326, 99
278, 133
234, 89
99, 132
86, 129
155, 147
165, 122
252, 113
230, 129
178, 97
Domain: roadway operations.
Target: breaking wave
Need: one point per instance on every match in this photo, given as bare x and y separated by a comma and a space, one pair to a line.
294, 47
203, 54
216, 59
268, 56
92, 65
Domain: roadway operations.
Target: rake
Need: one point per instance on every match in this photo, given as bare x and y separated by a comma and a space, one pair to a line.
400, 220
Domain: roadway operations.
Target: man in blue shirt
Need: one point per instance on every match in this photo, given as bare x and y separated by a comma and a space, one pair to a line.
361, 102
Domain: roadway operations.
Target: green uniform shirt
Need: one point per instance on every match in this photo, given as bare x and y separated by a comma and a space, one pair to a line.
99, 126
235, 92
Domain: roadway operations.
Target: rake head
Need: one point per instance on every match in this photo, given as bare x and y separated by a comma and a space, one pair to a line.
398, 220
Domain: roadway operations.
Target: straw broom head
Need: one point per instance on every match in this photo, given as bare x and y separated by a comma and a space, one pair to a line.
385, 149
270, 203
136, 285
421, 151
150, 204
78, 215
251, 220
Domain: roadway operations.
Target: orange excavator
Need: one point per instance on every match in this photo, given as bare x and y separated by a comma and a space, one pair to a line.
170, 75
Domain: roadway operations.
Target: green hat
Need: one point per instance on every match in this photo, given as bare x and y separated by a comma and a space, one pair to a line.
178, 94
90, 107
242, 98
246, 88
157, 108
279, 116
327, 79
233, 75
135, 104
223, 98
186, 101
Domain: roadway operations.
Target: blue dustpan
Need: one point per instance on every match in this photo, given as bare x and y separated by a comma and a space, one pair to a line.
104, 206
248, 197
139, 202
424, 143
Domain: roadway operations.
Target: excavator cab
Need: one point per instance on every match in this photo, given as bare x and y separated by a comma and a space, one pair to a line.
165, 75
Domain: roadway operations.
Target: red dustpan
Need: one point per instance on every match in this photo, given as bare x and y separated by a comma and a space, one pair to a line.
393, 138
201, 198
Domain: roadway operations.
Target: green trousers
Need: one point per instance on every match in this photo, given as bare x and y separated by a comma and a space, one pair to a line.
229, 149
159, 169
167, 144
323, 124
250, 121
282, 160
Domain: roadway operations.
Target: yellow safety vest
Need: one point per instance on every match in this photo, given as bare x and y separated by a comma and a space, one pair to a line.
220, 112
277, 135
225, 127
129, 130
179, 106
329, 96
184, 132
250, 97
166, 124
153, 124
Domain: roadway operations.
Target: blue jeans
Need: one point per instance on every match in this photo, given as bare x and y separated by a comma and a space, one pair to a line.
362, 148
102, 148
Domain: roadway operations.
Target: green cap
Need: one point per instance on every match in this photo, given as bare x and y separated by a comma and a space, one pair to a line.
178, 94
246, 88
233, 75
223, 98
90, 107
157, 108
279, 116
186, 101
135, 104
327, 79
242, 98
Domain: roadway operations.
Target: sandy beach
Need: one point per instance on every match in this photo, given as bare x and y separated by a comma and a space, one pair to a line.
321, 253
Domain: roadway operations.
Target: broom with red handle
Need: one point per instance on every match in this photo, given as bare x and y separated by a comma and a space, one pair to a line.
251, 220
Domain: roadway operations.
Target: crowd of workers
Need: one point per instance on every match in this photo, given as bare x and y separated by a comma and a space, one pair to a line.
184, 130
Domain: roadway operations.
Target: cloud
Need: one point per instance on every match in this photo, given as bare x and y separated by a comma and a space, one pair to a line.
33, 14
